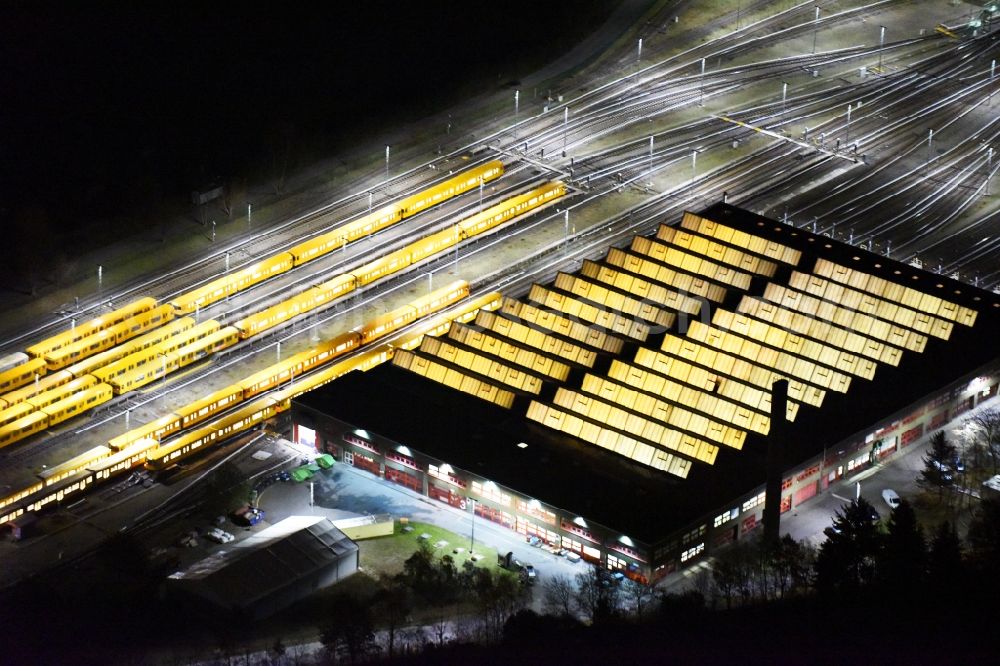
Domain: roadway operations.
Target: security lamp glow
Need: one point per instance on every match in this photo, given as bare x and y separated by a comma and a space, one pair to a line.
404, 450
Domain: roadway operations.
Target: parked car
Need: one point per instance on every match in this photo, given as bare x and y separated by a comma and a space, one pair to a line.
959, 465
944, 469
530, 574
573, 557
890, 497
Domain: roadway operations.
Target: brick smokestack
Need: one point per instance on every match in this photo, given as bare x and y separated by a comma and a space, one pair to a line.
776, 440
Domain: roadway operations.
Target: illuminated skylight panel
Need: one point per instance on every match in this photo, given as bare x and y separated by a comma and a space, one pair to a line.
756, 244
691, 263
575, 308
907, 296
533, 338
783, 362
724, 399
638, 426
641, 288
613, 300
860, 322
555, 322
485, 366
657, 272
510, 353
835, 337
712, 423
732, 368
641, 452
788, 342
451, 377
716, 251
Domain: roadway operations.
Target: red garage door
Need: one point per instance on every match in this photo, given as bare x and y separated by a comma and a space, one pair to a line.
802, 494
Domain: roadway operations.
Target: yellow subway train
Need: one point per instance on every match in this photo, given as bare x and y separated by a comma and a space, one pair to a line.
325, 243
134, 447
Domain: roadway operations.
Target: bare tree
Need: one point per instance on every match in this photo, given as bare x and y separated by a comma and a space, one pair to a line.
985, 426
598, 597
638, 594
558, 599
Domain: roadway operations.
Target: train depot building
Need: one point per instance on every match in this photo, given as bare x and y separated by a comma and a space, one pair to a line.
622, 412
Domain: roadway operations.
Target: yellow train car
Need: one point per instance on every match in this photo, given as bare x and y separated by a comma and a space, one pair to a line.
19, 495
15, 412
241, 420
77, 403
505, 211
145, 374
210, 405
310, 299
441, 298
434, 244
463, 182
151, 354
155, 337
109, 337
196, 350
121, 461
383, 325
61, 392
156, 430
49, 381
22, 374
218, 289
26, 426
54, 494
53, 475
87, 328
367, 224
276, 374
378, 269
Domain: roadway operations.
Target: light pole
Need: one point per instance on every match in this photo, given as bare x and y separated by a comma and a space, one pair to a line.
566, 227
930, 146
472, 543
784, 95
638, 55
650, 160
227, 261
249, 211
881, 43
993, 69
565, 127
694, 165
517, 98
386, 163
100, 277
163, 384
847, 139
701, 85
815, 29
989, 170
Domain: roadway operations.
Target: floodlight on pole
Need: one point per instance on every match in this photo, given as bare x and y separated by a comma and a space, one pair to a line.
881, 44
517, 103
815, 29
565, 128
701, 85
386, 163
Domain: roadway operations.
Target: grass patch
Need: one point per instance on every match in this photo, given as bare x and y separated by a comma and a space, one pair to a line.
385, 555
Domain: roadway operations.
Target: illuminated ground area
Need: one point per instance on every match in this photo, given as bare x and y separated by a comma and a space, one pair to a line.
639, 388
